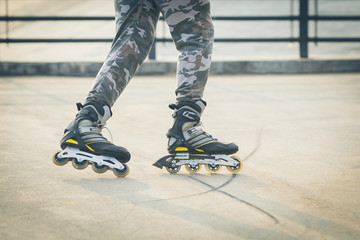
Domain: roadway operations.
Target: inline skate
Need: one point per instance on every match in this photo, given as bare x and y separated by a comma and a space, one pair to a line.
189, 145
83, 143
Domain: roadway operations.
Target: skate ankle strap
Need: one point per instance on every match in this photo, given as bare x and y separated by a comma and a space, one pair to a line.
197, 106
89, 113
79, 106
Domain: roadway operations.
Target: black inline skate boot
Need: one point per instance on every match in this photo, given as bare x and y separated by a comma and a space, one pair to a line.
83, 142
189, 145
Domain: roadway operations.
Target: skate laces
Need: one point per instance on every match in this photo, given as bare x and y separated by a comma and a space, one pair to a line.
101, 127
108, 130
197, 128
92, 131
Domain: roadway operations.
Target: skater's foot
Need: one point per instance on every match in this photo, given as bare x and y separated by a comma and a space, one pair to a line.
187, 135
84, 133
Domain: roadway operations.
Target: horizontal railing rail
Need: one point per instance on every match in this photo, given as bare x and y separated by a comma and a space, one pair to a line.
217, 18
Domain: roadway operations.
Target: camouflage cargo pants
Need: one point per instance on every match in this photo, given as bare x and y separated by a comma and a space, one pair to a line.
191, 29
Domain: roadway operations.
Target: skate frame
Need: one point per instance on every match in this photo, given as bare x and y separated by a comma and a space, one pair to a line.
81, 156
194, 159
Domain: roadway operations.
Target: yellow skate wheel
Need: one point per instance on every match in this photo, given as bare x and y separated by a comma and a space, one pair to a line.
79, 165
238, 166
99, 169
172, 170
122, 173
59, 161
192, 168
213, 168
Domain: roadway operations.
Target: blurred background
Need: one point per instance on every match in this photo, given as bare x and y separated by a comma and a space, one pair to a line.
298, 133
166, 51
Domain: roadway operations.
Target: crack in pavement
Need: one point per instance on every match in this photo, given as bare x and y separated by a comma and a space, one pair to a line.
218, 188
234, 197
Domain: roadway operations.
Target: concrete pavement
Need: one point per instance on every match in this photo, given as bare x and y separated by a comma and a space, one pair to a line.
298, 137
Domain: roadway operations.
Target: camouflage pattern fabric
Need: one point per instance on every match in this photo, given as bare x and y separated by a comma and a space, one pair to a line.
191, 29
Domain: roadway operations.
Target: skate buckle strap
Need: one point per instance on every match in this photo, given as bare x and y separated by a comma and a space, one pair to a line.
89, 129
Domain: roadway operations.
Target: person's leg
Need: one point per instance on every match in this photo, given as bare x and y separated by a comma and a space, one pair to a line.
193, 33
135, 25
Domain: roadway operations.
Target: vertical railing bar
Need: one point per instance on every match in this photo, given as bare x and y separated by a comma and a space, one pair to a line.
304, 21
7, 22
291, 21
316, 21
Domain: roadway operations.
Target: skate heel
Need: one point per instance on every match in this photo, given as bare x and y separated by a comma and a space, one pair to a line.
161, 162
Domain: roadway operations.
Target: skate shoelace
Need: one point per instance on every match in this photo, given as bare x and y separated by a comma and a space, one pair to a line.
93, 134
101, 127
108, 130
196, 132
207, 134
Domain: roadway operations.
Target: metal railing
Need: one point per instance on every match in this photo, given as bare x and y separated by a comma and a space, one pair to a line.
303, 19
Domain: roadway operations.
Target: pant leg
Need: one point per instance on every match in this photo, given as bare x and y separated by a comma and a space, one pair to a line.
135, 31
193, 33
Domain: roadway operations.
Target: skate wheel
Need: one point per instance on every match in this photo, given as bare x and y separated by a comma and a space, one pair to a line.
192, 168
213, 168
59, 161
99, 169
122, 173
238, 166
80, 165
172, 170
